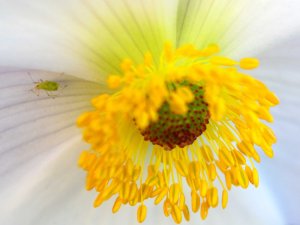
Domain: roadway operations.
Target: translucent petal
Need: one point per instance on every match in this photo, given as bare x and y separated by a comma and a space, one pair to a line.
239, 27
280, 71
32, 125
84, 38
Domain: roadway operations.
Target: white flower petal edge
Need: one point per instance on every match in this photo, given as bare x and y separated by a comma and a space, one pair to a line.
280, 71
240, 27
33, 126
87, 39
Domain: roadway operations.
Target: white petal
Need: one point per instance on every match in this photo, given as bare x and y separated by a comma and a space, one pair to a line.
83, 38
239, 27
280, 71
33, 126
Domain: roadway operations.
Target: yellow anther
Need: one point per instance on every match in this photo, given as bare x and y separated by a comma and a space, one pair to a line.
219, 60
269, 152
99, 200
186, 94
271, 97
204, 210
217, 110
134, 201
187, 50
210, 50
161, 195
249, 174
126, 65
176, 214
212, 197
151, 181
82, 159
242, 177
203, 188
226, 157
141, 213
264, 114
222, 166
181, 201
178, 104
125, 190
114, 81
228, 180
240, 158
255, 177
181, 168
133, 191
142, 120
174, 193
249, 63
90, 183
269, 135
194, 169
233, 175
212, 172
244, 148
167, 207
224, 199
100, 187
195, 201
117, 205
161, 180
186, 213
207, 153
136, 173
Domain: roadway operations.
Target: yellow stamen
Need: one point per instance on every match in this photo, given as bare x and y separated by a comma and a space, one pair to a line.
192, 119
141, 213
249, 63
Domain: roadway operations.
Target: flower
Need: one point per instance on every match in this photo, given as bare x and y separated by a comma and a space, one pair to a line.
84, 39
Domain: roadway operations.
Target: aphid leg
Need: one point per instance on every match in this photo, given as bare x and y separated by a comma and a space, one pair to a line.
35, 90
53, 96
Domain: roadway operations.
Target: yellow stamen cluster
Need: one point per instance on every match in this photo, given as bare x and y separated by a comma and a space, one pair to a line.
121, 163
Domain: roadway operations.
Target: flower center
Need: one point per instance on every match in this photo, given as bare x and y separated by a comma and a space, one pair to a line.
192, 118
173, 130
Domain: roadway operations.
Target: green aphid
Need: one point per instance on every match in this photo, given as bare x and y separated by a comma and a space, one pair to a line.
47, 85
50, 87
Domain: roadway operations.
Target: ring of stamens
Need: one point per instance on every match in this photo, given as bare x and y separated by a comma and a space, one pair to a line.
194, 103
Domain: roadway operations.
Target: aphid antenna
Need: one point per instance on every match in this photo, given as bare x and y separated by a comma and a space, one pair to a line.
29, 74
35, 82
